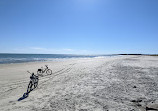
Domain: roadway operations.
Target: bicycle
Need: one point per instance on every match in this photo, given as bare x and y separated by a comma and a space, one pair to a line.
41, 71
33, 82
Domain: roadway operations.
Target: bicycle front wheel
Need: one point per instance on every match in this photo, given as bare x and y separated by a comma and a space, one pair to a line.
49, 72
30, 88
35, 83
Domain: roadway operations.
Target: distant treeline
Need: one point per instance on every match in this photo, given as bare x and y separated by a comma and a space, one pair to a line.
130, 54
141, 54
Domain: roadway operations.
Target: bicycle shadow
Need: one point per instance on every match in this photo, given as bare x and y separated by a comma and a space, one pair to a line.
25, 95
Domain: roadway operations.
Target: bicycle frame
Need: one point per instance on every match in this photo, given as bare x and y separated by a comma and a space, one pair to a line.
43, 70
33, 82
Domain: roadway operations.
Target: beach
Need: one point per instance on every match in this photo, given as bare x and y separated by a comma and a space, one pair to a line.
118, 83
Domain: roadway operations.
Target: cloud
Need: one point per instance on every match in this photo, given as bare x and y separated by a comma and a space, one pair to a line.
42, 50
68, 49
38, 48
52, 50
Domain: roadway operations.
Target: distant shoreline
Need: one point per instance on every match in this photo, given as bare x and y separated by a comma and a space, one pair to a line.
141, 54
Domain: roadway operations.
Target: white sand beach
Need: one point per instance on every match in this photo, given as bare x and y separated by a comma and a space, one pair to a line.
119, 83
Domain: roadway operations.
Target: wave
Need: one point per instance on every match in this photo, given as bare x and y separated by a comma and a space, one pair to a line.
19, 58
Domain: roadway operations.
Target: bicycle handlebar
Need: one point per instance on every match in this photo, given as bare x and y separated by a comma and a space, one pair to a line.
29, 72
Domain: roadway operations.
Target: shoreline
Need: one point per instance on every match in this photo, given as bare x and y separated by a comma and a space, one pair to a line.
57, 59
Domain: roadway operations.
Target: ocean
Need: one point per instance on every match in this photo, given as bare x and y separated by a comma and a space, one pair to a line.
20, 58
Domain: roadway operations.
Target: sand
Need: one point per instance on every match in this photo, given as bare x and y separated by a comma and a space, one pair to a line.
123, 83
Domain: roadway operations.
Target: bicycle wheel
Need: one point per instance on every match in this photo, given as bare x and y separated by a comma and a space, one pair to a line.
39, 73
30, 88
49, 72
35, 83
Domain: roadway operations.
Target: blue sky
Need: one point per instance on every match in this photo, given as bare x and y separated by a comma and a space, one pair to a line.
79, 26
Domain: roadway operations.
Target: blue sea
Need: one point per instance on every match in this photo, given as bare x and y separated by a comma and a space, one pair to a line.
20, 58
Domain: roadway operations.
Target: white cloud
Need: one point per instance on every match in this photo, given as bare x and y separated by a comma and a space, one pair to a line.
42, 50
68, 50
38, 48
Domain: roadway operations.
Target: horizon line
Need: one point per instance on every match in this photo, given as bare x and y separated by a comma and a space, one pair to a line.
84, 54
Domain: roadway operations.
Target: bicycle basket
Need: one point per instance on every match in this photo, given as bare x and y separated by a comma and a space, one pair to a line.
40, 70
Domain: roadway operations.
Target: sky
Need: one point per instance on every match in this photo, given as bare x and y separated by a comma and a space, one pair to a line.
79, 26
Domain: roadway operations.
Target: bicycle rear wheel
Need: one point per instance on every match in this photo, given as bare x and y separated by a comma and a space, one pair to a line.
39, 73
49, 72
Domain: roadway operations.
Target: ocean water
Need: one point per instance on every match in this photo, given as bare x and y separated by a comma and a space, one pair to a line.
19, 58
